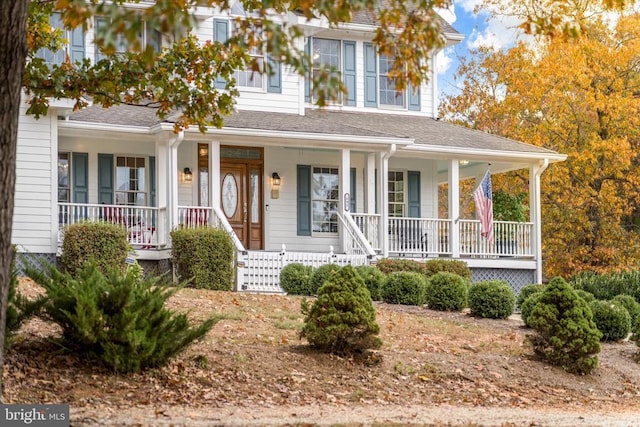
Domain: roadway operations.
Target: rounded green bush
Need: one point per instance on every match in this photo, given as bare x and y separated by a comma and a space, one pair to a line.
321, 275
526, 291
458, 267
295, 279
392, 265
404, 287
493, 299
373, 278
447, 292
527, 307
633, 307
103, 243
586, 296
342, 319
612, 319
566, 335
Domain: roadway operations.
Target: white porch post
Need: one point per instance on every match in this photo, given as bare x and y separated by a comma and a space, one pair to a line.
214, 174
382, 196
173, 144
370, 184
162, 189
535, 215
345, 188
454, 207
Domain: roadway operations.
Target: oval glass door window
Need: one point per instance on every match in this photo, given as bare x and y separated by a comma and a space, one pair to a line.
229, 195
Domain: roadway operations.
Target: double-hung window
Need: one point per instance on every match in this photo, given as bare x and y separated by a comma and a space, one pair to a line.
74, 46
324, 200
396, 194
146, 37
326, 59
131, 187
389, 95
64, 177
252, 77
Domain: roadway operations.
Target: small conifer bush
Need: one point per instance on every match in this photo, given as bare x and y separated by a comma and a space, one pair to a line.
633, 307
342, 320
612, 319
393, 265
116, 318
566, 334
321, 275
527, 306
456, 266
526, 291
102, 243
493, 299
405, 287
447, 292
373, 278
295, 279
586, 296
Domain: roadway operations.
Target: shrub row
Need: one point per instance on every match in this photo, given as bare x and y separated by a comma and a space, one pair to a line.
607, 286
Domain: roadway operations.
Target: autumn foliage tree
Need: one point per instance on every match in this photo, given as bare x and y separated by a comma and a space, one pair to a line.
581, 97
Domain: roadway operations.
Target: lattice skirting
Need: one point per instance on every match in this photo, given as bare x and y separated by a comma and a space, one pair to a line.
516, 278
25, 259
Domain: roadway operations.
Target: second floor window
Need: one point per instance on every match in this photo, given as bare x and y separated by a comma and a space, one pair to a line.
389, 96
147, 37
131, 188
326, 58
74, 46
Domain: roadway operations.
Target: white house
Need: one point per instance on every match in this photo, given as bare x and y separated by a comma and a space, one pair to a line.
350, 183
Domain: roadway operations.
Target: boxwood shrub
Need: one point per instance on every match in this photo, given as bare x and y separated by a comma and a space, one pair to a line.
405, 287
458, 267
392, 265
373, 278
321, 275
447, 292
103, 243
526, 291
633, 307
295, 279
527, 306
612, 319
492, 298
204, 256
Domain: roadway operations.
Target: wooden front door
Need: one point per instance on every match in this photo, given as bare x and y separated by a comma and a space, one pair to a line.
241, 193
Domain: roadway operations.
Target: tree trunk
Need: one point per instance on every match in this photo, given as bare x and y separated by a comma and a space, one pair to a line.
13, 51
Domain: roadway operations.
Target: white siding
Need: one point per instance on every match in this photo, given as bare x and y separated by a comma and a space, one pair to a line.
35, 178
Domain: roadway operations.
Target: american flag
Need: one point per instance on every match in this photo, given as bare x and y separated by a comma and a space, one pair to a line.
483, 198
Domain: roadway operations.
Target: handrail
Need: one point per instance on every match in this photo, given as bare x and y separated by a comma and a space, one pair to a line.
369, 225
224, 223
356, 235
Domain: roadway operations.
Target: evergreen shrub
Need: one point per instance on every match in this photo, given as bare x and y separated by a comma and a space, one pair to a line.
608, 285
612, 319
116, 318
102, 243
458, 267
393, 265
321, 275
405, 287
633, 307
527, 307
566, 334
203, 257
493, 299
526, 291
586, 296
373, 278
295, 279
342, 320
447, 292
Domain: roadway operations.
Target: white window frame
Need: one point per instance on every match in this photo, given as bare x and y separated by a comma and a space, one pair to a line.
122, 44
390, 83
260, 75
69, 177
315, 69
314, 200
145, 180
390, 191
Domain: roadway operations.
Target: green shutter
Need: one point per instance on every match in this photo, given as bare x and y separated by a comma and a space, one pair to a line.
307, 77
152, 181
220, 34
413, 191
354, 185
100, 23
304, 200
76, 45
414, 98
349, 72
105, 179
370, 76
274, 78
80, 166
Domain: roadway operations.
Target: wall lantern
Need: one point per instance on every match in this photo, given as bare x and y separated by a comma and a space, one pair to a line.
275, 185
188, 175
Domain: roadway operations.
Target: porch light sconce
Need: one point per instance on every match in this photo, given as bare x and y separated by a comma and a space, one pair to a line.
275, 185
188, 175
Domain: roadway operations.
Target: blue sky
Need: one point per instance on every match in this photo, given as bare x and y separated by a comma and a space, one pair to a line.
479, 29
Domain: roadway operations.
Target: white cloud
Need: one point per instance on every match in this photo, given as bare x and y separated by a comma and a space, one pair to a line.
444, 60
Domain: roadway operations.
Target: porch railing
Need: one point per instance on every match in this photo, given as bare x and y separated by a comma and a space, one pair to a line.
144, 224
512, 239
419, 236
369, 224
353, 241
205, 216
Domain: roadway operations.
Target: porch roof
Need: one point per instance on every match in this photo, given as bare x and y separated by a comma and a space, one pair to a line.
421, 133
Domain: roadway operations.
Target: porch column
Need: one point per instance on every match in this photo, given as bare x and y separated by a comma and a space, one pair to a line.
535, 215
173, 144
370, 184
344, 185
162, 189
383, 193
214, 174
454, 207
